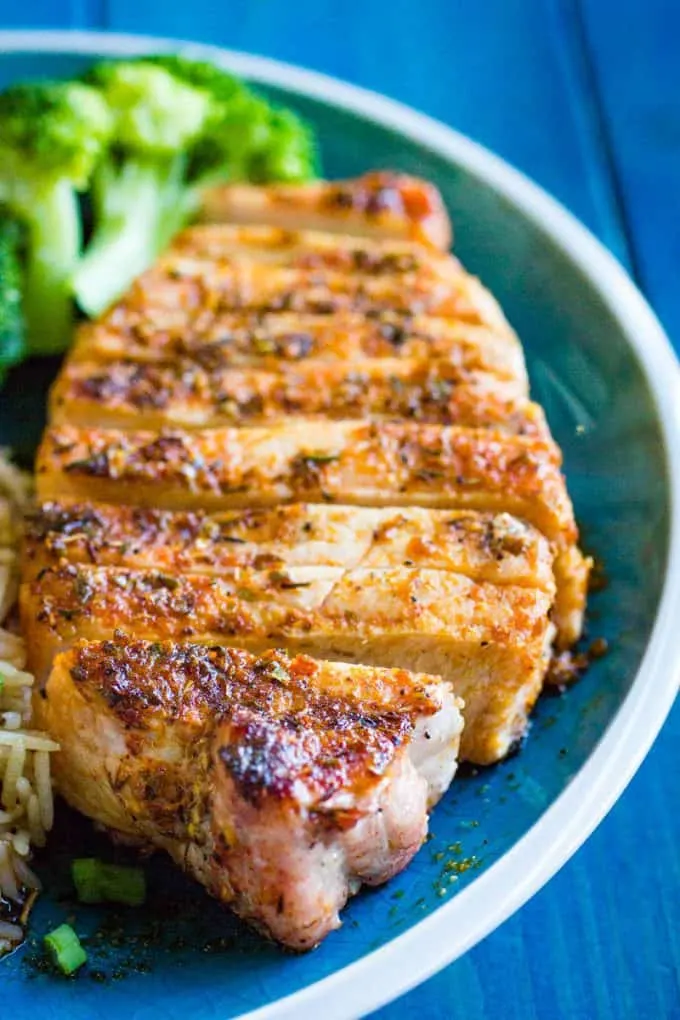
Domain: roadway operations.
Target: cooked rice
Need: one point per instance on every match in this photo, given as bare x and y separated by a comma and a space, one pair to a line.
26, 805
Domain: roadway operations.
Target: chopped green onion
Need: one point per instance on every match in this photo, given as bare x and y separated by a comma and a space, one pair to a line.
87, 879
64, 946
124, 885
97, 882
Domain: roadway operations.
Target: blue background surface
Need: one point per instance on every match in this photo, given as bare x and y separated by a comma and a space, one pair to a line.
584, 97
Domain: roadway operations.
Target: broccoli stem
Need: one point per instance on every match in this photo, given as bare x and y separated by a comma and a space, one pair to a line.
53, 221
139, 207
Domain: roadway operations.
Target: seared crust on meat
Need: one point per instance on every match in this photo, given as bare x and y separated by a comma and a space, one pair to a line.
182, 281
309, 249
491, 642
149, 684
391, 463
485, 547
240, 767
265, 605
133, 395
377, 204
572, 572
267, 341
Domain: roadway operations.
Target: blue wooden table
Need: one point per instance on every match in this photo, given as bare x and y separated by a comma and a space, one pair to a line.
583, 95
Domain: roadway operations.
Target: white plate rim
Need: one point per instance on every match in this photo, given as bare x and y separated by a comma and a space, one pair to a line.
427, 947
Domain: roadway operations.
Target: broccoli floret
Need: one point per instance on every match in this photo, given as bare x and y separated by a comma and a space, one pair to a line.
247, 138
290, 153
178, 125
138, 184
238, 125
222, 85
51, 135
12, 337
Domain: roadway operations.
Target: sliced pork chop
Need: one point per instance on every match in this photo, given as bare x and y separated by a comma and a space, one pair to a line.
309, 249
490, 642
377, 204
399, 464
217, 340
128, 394
370, 464
484, 547
281, 784
179, 281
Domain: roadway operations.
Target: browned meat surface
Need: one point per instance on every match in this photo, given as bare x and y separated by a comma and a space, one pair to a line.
398, 464
378, 204
378, 464
181, 281
485, 547
308, 249
281, 784
128, 394
216, 339
491, 642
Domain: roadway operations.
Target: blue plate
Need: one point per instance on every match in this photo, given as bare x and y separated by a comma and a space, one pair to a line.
606, 375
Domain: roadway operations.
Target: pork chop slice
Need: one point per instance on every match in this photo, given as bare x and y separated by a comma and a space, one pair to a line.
130, 395
307, 249
497, 548
281, 784
201, 334
490, 642
377, 204
371, 464
442, 289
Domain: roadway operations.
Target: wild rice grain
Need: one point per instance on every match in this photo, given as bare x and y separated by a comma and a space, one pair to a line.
24, 790
13, 769
24, 874
35, 829
26, 805
21, 843
43, 788
8, 881
10, 932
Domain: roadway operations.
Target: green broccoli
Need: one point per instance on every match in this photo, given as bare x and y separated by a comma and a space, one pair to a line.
289, 153
156, 120
247, 138
178, 125
51, 135
12, 339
